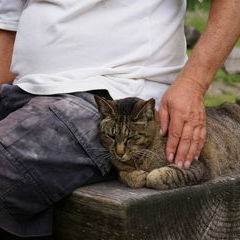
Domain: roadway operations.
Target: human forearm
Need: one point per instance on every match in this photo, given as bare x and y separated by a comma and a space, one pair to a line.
222, 31
7, 39
182, 111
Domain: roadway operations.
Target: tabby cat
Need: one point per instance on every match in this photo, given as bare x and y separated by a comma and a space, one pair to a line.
129, 130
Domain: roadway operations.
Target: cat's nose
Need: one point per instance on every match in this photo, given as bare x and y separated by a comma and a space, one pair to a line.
120, 150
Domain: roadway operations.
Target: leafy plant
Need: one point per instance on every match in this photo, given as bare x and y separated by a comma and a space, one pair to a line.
229, 79
214, 100
193, 4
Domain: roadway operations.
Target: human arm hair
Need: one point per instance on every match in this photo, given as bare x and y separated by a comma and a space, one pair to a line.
182, 111
215, 44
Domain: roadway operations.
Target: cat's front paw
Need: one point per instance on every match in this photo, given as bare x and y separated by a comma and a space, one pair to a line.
134, 179
161, 179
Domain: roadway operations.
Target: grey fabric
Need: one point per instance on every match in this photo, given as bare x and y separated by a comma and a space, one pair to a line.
48, 148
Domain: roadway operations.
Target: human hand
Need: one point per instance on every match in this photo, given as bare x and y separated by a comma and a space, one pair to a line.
182, 116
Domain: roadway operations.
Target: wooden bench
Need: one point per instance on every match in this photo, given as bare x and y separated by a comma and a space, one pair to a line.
111, 211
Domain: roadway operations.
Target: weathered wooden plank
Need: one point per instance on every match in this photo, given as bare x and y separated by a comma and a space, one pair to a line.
110, 211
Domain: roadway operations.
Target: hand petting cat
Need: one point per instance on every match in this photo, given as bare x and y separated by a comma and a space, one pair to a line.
182, 114
182, 109
129, 131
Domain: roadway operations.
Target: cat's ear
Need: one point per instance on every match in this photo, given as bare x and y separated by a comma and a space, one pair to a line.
105, 107
146, 111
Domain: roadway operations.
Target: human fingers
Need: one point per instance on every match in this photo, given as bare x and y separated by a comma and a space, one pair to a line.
193, 150
200, 136
164, 119
174, 134
202, 139
184, 145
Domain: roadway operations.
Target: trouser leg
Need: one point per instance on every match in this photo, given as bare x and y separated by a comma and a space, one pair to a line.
48, 148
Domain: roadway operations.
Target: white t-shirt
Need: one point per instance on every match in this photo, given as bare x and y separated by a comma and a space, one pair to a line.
129, 47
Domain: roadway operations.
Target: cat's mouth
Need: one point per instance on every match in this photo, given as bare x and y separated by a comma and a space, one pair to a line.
123, 158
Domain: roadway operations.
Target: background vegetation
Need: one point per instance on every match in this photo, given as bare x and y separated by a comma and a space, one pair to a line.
193, 4
225, 87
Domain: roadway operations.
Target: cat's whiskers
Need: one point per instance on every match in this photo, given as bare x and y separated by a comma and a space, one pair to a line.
136, 166
142, 152
105, 155
101, 151
135, 157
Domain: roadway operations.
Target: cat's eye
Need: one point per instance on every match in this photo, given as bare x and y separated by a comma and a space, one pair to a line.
135, 137
111, 136
131, 137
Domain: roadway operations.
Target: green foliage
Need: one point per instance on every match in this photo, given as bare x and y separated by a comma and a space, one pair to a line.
211, 100
193, 4
197, 14
238, 43
197, 18
229, 79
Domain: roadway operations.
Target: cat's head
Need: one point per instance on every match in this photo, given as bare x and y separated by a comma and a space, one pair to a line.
127, 126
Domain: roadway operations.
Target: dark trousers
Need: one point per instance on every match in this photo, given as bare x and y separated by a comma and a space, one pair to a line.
49, 146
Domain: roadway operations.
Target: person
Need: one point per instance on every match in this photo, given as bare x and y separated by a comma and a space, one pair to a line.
64, 52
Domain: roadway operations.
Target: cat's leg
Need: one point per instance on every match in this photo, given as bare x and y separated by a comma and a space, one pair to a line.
134, 179
171, 176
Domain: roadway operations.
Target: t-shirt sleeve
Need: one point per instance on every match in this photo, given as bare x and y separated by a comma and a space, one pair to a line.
10, 12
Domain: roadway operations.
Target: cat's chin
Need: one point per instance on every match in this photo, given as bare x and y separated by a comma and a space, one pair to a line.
123, 159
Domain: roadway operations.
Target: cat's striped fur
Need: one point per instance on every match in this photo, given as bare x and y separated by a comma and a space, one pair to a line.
130, 132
